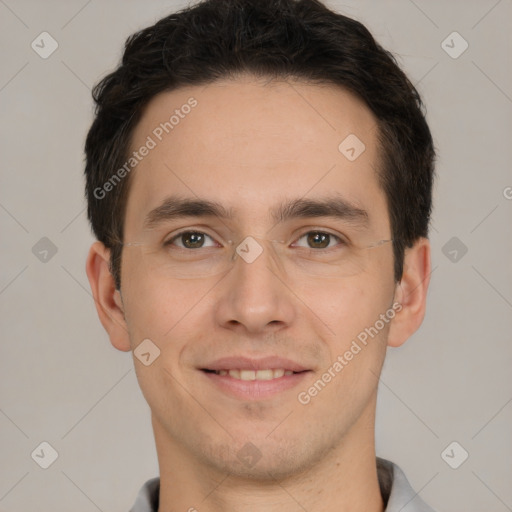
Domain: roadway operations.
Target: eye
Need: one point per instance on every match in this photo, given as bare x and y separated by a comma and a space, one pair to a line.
190, 240
319, 239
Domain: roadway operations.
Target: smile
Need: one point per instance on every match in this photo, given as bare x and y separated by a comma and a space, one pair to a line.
267, 374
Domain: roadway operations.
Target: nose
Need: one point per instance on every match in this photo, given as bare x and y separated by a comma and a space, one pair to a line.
254, 297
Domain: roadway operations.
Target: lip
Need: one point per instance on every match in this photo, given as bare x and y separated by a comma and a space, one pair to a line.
254, 389
249, 390
246, 363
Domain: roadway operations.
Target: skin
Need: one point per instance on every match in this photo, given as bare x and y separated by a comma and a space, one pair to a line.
249, 144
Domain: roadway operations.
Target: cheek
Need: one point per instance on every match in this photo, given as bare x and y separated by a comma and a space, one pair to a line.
162, 312
358, 344
345, 307
353, 310
156, 308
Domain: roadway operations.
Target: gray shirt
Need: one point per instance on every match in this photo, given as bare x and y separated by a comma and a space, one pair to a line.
397, 493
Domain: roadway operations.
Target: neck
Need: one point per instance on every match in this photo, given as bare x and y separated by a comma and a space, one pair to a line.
345, 479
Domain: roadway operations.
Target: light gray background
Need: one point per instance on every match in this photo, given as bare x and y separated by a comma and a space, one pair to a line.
63, 383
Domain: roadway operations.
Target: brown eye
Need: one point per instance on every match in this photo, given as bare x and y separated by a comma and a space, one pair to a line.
189, 239
319, 239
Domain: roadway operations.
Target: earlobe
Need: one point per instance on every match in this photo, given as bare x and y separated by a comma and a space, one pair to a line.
411, 293
108, 300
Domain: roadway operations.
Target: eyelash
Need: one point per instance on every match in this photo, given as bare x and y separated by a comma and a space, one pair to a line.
341, 241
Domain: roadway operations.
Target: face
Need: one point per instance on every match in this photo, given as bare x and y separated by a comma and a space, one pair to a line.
252, 147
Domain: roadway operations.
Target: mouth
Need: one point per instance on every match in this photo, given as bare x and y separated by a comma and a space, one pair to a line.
248, 375
254, 379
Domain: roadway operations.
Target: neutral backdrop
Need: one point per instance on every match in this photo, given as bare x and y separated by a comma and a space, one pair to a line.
64, 384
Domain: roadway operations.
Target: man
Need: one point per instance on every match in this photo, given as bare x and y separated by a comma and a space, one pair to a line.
259, 178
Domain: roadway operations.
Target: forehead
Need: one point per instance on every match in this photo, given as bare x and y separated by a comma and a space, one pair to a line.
247, 143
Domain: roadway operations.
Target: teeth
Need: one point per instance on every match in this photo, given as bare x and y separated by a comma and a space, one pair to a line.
255, 375
264, 374
247, 374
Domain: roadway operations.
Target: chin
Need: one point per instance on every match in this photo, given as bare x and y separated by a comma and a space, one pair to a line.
263, 460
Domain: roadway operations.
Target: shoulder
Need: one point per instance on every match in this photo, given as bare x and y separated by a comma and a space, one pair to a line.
148, 496
396, 489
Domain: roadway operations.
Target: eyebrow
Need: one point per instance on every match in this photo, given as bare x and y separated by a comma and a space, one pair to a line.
176, 207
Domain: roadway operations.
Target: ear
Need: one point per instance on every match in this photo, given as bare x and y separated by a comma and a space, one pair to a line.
411, 293
108, 300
